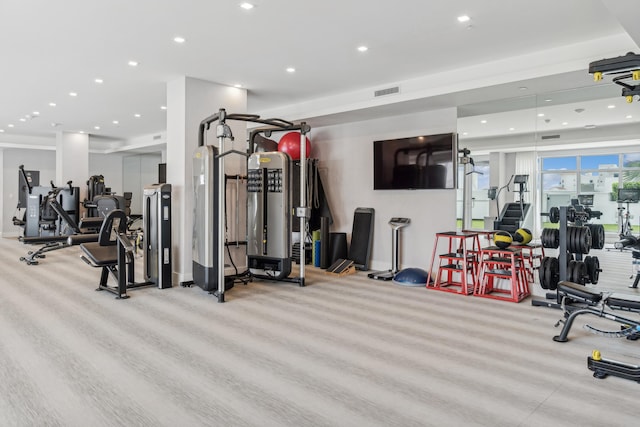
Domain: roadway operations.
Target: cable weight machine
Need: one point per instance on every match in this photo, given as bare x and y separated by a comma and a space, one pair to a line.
209, 198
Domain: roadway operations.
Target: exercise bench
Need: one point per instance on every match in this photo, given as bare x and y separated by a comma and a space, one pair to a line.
115, 255
577, 300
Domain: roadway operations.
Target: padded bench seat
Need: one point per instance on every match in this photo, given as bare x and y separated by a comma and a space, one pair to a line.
576, 291
100, 256
624, 302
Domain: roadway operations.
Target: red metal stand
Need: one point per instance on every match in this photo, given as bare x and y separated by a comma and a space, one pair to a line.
502, 275
459, 265
532, 255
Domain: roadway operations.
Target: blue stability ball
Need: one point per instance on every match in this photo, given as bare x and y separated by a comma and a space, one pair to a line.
411, 277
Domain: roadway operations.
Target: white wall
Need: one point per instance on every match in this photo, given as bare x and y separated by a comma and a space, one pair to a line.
346, 152
139, 171
40, 160
109, 166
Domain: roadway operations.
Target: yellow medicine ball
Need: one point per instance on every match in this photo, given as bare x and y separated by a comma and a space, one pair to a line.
523, 236
502, 239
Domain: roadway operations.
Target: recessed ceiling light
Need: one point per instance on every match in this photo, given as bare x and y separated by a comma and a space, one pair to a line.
1, 130
523, 88
540, 114
99, 81
80, 131
96, 127
291, 70
611, 107
55, 125
237, 85
163, 107
465, 133
512, 129
483, 121
23, 120
463, 18
133, 63
246, 6
137, 116
547, 100
565, 123
629, 116
73, 94
362, 48
179, 39
10, 125
36, 113
115, 122
52, 104
590, 126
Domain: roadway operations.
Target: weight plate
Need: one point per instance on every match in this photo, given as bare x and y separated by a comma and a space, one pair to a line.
570, 271
598, 230
579, 272
554, 273
554, 215
590, 263
542, 273
596, 270
586, 240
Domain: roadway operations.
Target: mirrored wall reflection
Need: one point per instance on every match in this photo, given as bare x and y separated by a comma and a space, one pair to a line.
138, 171
575, 142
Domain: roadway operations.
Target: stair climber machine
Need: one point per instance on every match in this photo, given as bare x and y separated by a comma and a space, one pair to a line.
514, 215
269, 256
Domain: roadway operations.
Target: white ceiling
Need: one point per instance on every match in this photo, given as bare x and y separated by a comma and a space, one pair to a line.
51, 48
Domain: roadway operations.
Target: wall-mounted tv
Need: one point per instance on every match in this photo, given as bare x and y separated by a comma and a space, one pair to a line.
420, 162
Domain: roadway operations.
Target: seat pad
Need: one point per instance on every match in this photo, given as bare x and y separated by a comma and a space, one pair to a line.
100, 256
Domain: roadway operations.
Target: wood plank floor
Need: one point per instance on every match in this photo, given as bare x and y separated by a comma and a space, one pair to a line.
338, 352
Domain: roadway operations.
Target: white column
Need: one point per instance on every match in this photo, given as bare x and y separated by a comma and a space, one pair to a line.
189, 101
72, 161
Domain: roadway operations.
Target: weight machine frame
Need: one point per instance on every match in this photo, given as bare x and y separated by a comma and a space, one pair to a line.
223, 131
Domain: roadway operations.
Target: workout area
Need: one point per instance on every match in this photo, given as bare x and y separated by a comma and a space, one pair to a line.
279, 214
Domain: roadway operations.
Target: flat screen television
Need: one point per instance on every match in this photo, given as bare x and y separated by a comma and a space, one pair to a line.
420, 162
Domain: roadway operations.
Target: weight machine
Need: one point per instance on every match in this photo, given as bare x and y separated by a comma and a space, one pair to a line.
626, 67
209, 203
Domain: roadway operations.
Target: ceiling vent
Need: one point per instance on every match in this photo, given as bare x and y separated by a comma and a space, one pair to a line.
550, 137
388, 91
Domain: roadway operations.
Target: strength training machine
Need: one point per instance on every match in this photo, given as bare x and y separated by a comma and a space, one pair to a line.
270, 249
116, 256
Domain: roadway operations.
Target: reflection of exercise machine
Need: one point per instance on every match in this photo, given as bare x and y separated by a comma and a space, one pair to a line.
514, 215
602, 368
396, 224
625, 67
578, 300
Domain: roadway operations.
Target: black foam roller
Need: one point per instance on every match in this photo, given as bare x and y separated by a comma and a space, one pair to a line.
324, 242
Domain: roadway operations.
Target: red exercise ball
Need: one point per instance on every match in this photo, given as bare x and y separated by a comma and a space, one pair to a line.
290, 144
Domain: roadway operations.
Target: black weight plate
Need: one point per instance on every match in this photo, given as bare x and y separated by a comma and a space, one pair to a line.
544, 238
590, 263
571, 240
542, 272
554, 273
587, 240
570, 268
596, 270
555, 236
554, 215
599, 231
579, 272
